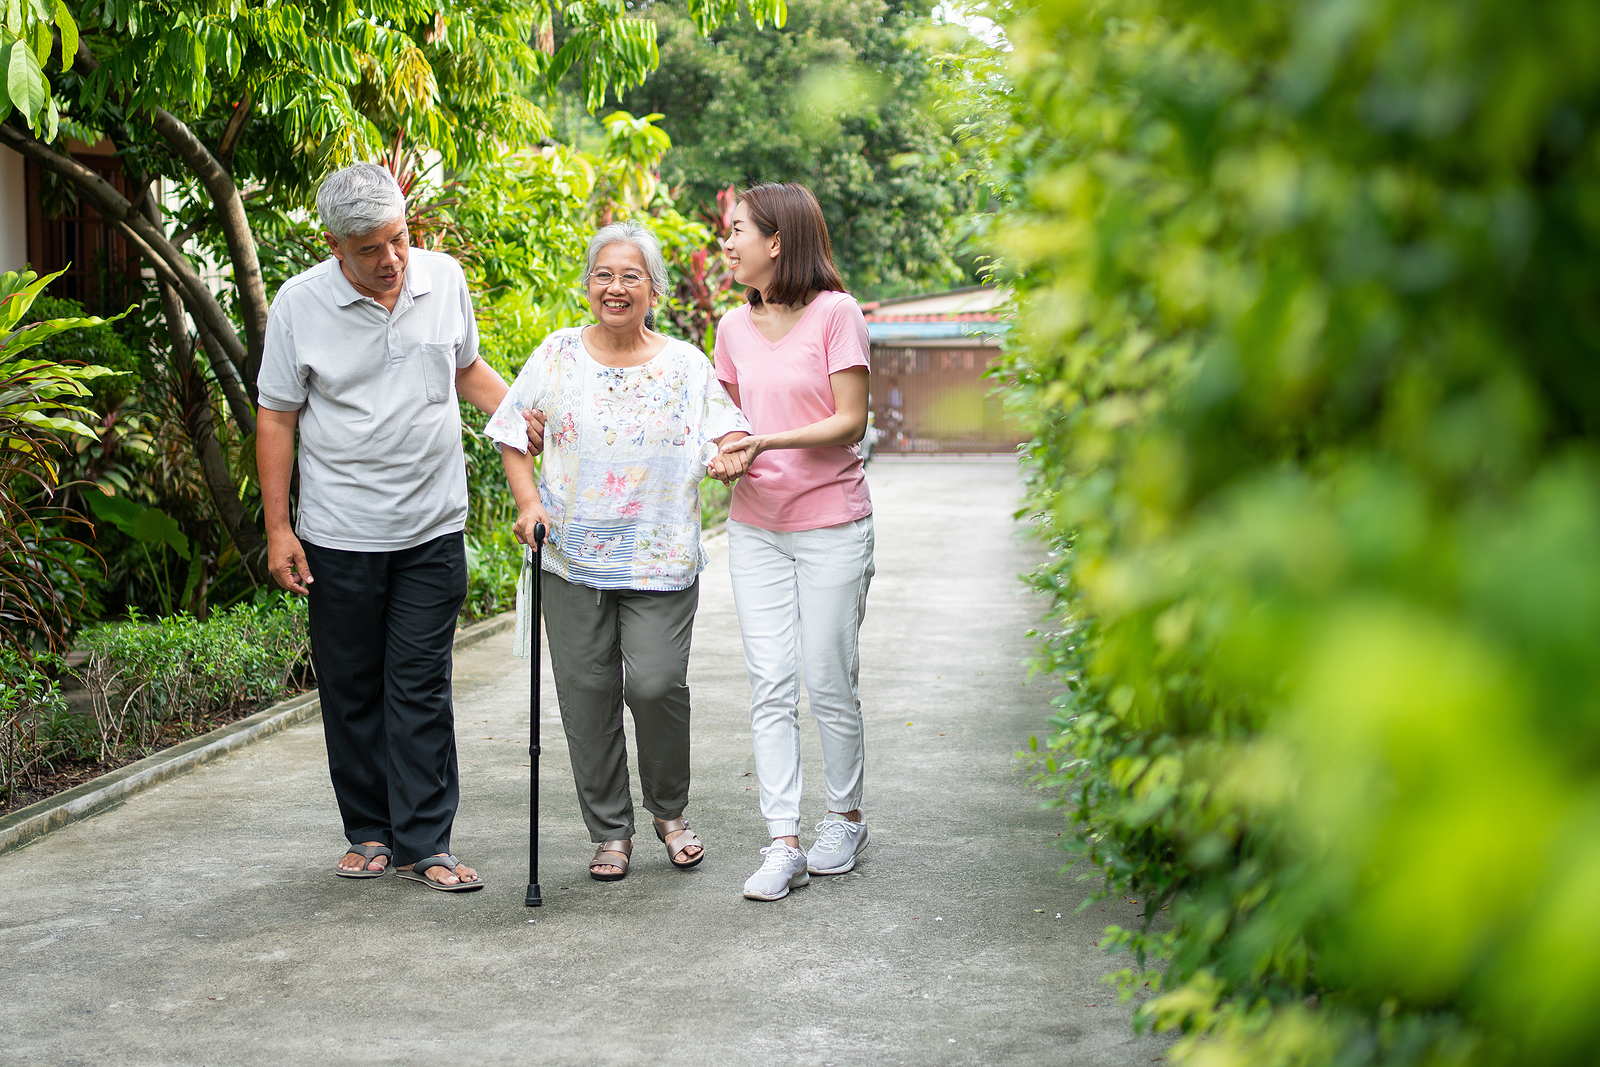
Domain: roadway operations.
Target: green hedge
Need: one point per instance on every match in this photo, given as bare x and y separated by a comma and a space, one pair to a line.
147, 678
34, 731
1308, 336
494, 561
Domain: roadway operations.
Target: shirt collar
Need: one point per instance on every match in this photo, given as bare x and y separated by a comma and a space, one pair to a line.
417, 282
344, 294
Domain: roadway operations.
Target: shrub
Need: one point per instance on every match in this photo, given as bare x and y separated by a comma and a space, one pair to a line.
41, 589
714, 501
180, 673
30, 706
91, 345
494, 561
1307, 339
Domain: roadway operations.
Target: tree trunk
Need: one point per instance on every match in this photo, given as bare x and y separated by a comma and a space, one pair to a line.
199, 420
229, 212
239, 404
181, 289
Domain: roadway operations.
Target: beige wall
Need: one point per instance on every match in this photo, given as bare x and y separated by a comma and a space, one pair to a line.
13, 212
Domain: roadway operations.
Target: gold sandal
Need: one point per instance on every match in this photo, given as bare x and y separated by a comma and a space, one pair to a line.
682, 838
621, 850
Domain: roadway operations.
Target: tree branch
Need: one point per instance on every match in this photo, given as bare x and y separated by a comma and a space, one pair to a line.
190, 230
228, 210
239, 406
227, 375
147, 238
234, 130
229, 207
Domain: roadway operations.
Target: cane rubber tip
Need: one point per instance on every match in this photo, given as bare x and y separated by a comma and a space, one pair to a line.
534, 900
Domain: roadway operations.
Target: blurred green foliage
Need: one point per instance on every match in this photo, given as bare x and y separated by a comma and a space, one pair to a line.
494, 560
1309, 333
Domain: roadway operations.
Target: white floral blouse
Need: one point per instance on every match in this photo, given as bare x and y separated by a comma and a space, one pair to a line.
625, 449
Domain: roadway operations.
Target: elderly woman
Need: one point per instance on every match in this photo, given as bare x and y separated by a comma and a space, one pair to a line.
631, 419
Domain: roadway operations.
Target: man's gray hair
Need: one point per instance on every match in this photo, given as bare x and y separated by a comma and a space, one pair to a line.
639, 236
359, 199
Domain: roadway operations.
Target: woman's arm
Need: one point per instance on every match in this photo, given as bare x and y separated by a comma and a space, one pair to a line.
525, 488
846, 426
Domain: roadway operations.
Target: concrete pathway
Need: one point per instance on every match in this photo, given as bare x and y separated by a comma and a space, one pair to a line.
200, 923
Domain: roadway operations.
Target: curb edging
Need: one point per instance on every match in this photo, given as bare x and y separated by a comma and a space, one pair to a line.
28, 824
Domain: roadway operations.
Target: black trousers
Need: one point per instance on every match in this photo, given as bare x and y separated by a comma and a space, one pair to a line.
382, 627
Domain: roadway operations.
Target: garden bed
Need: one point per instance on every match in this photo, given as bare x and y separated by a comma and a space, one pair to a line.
138, 687
69, 773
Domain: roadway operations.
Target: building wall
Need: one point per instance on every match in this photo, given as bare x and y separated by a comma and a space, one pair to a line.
935, 399
13, 211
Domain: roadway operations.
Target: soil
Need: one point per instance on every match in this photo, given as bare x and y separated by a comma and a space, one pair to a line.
69, 774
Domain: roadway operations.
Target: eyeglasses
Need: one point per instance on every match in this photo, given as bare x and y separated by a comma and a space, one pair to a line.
629, 280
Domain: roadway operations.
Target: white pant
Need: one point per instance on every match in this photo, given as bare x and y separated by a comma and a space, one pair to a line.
801, 597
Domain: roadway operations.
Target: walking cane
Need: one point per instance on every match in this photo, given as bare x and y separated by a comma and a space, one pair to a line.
534, 899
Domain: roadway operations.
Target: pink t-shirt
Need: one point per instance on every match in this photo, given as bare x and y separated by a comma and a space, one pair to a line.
785, 386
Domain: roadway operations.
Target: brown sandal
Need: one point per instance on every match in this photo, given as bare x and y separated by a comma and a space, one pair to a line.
682, 838
621, 850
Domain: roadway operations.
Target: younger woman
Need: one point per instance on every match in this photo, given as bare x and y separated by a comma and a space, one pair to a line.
795, 360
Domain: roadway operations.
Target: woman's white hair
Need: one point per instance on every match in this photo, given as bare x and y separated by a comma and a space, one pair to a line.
359, 199
639, 236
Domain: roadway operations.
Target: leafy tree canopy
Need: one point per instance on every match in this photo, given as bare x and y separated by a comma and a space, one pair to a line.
840, 99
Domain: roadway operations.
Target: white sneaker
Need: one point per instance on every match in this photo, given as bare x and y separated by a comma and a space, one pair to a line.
839, 842
783, 869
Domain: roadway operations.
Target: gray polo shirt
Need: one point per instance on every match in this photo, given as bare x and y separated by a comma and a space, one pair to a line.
381, 466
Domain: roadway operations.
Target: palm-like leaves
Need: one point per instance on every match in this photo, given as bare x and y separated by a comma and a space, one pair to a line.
38, 401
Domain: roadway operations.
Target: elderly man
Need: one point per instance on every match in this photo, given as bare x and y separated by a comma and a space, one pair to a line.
366, 354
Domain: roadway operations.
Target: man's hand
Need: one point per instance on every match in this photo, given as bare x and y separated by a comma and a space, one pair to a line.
535, 421
532, 515
286, 559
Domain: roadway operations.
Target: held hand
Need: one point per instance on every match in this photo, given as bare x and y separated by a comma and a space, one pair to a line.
286, 559
535, 421
742, 451
530, 517
726, 469
727, 466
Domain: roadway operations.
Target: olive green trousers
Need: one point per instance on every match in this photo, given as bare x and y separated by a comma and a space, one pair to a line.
611, 647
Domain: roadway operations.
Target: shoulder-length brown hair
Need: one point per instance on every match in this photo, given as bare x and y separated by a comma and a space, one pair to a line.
805, 255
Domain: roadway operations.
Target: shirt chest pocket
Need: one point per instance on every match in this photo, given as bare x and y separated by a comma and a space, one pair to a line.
438, 359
